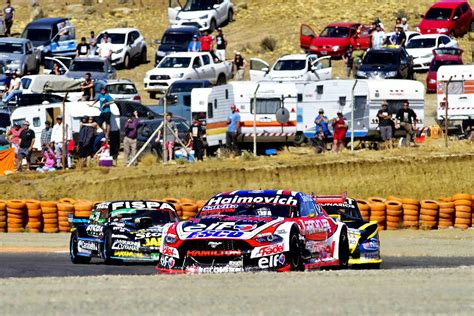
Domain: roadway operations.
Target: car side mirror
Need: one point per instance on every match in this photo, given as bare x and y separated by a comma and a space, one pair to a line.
265, 69
422, 16
150, 115
455, 18
216, 6
158, 42
171, 99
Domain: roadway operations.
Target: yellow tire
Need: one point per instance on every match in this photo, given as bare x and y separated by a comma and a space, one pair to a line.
376, 199
465, 215
397, 213
34, 225
63, 213
11, 220
66, 207
50, 215
411, 212
17, 211
429, 204
15, 216
393, 219
462, 203
459, 196
16, 204
33, 204
14, 225
445, 216
48, 204
377, 207
428, 212
410, 201
427, 218
463, 208
410, 218
446, 205
411, 207
50, 221
49, 210
34, 212
377, 213
67, 200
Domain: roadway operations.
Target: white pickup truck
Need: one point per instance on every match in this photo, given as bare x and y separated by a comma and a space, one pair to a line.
182, 66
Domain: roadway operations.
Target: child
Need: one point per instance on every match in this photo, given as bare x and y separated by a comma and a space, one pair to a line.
49, 160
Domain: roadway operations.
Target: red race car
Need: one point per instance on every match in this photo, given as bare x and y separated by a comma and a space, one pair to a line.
265, 230
453, 17
335, 38
442, 56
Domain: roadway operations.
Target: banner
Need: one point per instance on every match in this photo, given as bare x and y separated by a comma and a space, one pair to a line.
7, 161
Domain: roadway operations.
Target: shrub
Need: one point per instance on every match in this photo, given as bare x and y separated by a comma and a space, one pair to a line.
268, 43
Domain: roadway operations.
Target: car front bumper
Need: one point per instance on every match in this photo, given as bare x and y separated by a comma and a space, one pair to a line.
158, 85
201, 24
421, 64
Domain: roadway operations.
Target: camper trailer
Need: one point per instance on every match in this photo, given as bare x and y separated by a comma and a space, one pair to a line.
37, 115
460, 93
336, 95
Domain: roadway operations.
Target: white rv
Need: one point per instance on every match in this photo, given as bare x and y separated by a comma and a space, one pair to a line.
212, 108
460, 93
336, 95
37, 115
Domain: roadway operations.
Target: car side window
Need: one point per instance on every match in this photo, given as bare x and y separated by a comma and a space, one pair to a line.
196, 63
135, 35
457, 12
444, 40
464, 8
206, 59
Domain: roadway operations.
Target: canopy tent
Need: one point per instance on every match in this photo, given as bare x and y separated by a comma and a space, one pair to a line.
53, 83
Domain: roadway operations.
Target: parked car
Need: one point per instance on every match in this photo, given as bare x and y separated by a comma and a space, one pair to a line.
292, 67
204, 14
408, 34
335, 38
421, 48
189, 65
442, 57
386, 63
128, 46
52, 36
179, 97
453, 17
18, 55
99, 68
4, 76
175, 39
119, 89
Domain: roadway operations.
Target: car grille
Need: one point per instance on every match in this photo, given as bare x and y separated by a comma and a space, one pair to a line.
159, 77
161, 84
215, 245
192, 24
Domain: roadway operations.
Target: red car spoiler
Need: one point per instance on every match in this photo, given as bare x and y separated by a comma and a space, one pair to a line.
322, 199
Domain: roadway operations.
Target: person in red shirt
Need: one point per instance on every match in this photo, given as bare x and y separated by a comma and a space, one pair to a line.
206, 42
340, 128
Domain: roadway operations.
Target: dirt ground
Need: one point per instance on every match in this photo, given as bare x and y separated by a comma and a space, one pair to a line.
414, 288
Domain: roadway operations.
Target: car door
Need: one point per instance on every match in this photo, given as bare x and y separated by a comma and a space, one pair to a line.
322, 68
136, 49
306, 36
197, 67
362, 38
30, 57
209, 69
404, 64
258, 69
221, 7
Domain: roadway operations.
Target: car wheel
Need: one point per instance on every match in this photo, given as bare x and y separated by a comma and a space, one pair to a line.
126, 61
295, 259
75, 258
212, 26
299, 139
343, 253
230, 16
221, 80
37, 68
143, 58
107, 249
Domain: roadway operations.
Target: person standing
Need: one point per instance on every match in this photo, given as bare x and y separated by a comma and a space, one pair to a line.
92, 44
46, 134
349, 60
196, 136
87, 88
194, 45
340, 128
4, 143
57, 140
105, 48
170, 137
83, 49
384, 115
130, 139
8, 13
404, 24
407, 120
14, 136
239, 66
221, 44
105, 100
401, 36
206, 42
27, 140
321, 129
233, 125
378, 37
86, 140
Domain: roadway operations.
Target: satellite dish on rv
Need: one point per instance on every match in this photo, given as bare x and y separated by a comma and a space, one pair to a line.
282, 115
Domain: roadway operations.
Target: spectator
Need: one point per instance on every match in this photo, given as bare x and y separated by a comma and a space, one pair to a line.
378, 22
322, 129
83, 49
105, 100
340, 128
14, 136
239, 66
86, 140
57, 140
130, 139
194, 45
104, 150
14, 90
398, 21
57, 70
407, 119
8, 12
378, 37
404, 24
105, 48
196, 137
46, 134
87, 88
349, 60
4, 143
92, 44
233, 125
221, 45
27, 140
63, 32
171, 135
206, 42
384, 116
401, 36
48, 159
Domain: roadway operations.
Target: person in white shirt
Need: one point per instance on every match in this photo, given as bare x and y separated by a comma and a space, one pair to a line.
378, 37
105, 48
57, 140
14, 90
404, 24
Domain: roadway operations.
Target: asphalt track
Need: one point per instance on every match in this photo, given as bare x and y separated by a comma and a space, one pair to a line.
29, 265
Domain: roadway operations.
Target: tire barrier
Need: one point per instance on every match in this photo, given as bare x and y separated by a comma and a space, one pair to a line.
392, 213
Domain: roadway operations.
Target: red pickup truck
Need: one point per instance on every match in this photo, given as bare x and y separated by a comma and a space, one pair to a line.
335, 38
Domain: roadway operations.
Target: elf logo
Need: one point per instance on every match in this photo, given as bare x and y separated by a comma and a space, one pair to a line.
271, 262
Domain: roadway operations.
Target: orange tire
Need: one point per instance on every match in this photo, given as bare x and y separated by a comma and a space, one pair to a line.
14, 225
377, 213
376, 199
15, 216
15, 211
50, 230
379, 219
447, 210
33, 204
66, 207
461, 226
394, 212
16, 204
16, 230
393, 219
3, 218
411, 212
445, 216
50, 221
82, 213
393, 204
186, 200
429, 204
428, 224
171, 200
446, 204
12, 220
3, 224
34, 212
63, 219
410, 218
463, 208
34, 225
462, 202
410, 223
83, 207
462, 196
445, 199
34, 230
443, 222
189, 207
63, 213
50, 215
49, 210
3, 206
67, 200
428, 212
48, 204
410, 201
463, 215
412, 207
394, 198
189, 214
201, 203
177, 206
427, 218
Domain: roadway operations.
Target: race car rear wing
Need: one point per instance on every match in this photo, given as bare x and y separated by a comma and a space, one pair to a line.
330, 198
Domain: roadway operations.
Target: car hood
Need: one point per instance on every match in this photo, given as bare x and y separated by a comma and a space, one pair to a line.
8, 57
177, 47
81, 74
433, 24
419, 52
166, 71
286, 74
368, 68
329, 41
189, 15
217, 227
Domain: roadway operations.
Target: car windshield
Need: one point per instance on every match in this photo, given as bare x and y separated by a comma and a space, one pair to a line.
197, 5
343, 209
157, 217
438, 63
421, 43
181, 87
334, 31
176, 38
113, 38
380, 58
175, 62
439, 14
121, 88
11, 48
289, 65
39, 35
90, 66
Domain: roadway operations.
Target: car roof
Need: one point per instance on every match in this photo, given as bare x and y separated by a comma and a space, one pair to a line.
186, 54
448, 4
182, 29
295, 56
118, 81
119, 30
14, 40
88, 59
343, 24
46, 21
428, 36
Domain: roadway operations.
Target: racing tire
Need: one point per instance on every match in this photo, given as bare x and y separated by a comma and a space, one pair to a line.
16, 204
295, 252
458, 203
212, 26
73, 251
126, 62
343, 252
106, 250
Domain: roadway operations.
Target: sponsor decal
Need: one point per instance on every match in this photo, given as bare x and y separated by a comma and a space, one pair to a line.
94, 229
215, 234
214, 244
253, 200
317, 226
370, 255
170, 251
139, 205
219, 269
272, 261
119, 236
142, 235
124, 253
273, 249
353, 236
245, 227
87, 245
219, 207
341, 205
213, 253
125, 245
152, 242
197, 227
167, 262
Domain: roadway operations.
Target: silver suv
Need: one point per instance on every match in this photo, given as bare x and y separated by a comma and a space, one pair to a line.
128, 46
19, 55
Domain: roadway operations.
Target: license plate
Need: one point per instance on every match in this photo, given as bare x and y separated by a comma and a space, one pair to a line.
323, 52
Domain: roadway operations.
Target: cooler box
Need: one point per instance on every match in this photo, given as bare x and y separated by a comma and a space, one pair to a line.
106, 162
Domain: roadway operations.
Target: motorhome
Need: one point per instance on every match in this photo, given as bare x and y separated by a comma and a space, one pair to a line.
460, 93
336, 95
